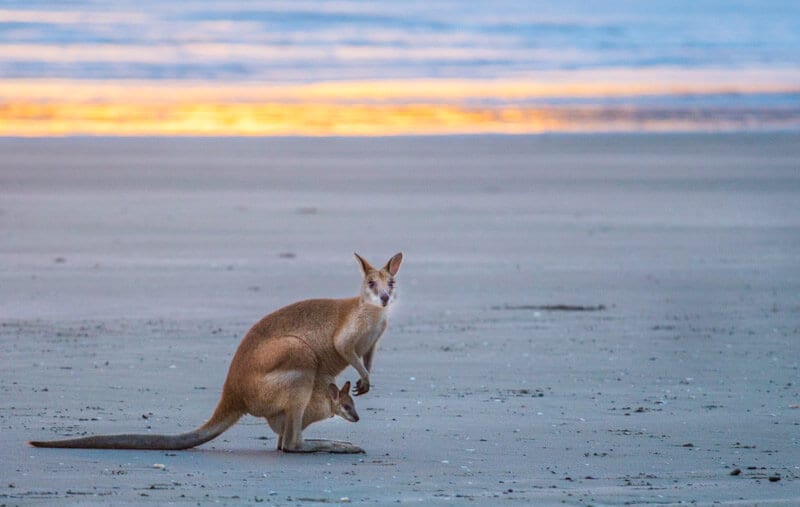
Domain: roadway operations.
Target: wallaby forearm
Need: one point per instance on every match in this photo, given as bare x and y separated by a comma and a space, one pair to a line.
356, 362
368, 357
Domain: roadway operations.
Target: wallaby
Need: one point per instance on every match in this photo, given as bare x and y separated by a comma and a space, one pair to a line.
324, 403
283, 361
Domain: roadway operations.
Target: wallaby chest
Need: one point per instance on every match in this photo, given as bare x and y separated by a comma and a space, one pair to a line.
365, 328
370, 337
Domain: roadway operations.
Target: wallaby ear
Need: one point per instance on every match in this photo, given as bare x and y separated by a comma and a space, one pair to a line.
365, 266
345, 388
333, 391
393, 266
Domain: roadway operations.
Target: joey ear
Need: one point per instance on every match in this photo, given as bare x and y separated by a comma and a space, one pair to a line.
365, 266
346, 388
393, 266
333, 391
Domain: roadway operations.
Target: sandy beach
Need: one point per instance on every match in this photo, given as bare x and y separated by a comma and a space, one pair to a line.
590, 319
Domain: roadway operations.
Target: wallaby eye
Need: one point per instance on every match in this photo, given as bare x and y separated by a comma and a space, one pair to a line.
371, 284
391, 283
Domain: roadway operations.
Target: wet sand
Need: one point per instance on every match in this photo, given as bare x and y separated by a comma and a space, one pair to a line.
582, 319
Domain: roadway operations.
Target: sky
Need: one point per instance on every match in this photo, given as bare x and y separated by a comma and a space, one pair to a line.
313, 67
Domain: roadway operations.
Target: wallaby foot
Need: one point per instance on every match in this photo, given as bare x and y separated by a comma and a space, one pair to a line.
329, 446
339, 446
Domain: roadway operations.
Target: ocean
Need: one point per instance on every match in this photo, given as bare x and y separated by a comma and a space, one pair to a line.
736, 60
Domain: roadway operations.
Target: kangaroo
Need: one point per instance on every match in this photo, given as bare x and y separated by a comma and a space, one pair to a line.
324, 403
283, 361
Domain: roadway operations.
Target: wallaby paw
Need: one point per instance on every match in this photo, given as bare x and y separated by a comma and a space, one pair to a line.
362, 387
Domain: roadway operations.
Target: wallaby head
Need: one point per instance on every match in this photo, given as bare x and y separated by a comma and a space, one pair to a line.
341, 402
378, 286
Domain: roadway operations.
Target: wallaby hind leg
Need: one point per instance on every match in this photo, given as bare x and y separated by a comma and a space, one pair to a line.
329, 446
276, 424
292, 439
334, 446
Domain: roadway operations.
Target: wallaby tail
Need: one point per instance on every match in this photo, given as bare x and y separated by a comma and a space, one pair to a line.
225, 416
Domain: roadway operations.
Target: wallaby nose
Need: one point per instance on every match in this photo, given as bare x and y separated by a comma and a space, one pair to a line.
355, 418
384, 298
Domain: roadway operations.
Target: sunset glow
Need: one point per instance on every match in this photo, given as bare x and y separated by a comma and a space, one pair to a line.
67, 107
310, 67
267, 119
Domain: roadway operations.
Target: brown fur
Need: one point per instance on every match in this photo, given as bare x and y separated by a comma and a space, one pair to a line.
283, 367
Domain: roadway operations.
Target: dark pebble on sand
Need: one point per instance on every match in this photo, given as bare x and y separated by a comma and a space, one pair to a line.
736, 471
